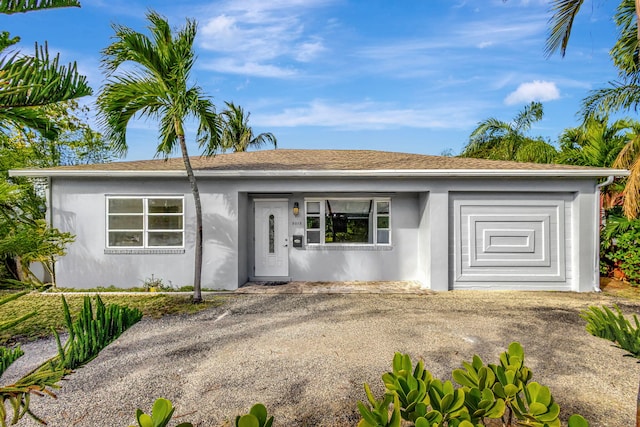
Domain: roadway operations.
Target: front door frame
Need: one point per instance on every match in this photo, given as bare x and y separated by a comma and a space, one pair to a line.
275, 264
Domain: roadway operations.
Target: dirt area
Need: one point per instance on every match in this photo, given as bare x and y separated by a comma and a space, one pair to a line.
618, 288
306, 356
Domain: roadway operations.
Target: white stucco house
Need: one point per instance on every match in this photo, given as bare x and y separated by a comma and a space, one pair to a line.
330, 215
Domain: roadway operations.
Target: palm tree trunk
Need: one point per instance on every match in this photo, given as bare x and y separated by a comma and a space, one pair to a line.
197, 276
638, 17
638, 408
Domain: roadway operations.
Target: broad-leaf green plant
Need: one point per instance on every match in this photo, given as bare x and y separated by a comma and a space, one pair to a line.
257, 417
503, 391
161, 414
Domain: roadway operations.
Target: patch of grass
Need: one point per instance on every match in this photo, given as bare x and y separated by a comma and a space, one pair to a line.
49, 309
136, 289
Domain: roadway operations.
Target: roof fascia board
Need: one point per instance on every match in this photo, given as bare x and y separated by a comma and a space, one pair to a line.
398, 173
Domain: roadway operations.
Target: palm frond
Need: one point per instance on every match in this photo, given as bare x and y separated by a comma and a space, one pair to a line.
625, 52
20, 6
561, 23
124, 98
536, 151
28, 118
528, 116
631, 206
31, 81
618, 96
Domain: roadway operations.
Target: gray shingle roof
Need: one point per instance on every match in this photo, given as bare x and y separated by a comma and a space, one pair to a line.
318, 161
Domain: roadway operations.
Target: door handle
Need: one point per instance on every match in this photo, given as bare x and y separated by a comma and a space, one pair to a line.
285, 245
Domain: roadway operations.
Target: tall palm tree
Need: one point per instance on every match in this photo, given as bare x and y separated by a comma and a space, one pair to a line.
500, 140
158, 87
238, 135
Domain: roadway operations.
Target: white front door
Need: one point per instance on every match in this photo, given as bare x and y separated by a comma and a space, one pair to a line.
271, 238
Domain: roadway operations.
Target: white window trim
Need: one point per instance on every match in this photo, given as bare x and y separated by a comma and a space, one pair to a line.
145, 226
322, 215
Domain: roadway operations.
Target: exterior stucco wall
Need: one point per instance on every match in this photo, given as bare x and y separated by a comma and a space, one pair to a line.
421, 246
79, 206
397, 261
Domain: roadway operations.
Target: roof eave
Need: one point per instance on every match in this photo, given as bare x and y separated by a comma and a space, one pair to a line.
391, 173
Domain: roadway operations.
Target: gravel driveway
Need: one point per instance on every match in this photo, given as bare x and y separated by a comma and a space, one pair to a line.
306, 357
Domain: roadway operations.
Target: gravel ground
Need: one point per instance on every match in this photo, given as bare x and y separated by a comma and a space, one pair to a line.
306, 357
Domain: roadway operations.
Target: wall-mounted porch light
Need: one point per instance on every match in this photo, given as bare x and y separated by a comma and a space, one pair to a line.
296, 208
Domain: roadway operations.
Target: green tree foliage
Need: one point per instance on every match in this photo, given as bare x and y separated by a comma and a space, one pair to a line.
21, 6
596, 142
29, 85
25, 237
622, 94
31, 81
499, 140
155, 83
237, 135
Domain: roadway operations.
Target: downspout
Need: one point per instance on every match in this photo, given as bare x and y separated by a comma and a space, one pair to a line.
596, 266
49, 217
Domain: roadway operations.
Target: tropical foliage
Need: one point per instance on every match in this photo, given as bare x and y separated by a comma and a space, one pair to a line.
30, 86
499, 140
623, 94
94, 329
25, 236
237, 135
155, 84
615, 327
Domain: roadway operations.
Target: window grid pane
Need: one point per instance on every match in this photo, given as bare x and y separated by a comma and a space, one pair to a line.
145, 222
313, 221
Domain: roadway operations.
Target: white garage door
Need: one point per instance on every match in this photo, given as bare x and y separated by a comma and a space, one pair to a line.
510, 240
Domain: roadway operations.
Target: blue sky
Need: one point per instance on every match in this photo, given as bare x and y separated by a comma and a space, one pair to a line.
413, 75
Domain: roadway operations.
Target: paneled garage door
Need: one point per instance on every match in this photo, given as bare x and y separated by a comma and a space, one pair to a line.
510, 240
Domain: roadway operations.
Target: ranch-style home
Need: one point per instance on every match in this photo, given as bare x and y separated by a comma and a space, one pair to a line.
330, 215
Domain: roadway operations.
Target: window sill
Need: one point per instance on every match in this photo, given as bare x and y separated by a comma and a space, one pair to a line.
348, 247
124, 251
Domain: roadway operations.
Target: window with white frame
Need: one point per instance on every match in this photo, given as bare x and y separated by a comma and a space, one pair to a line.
145, 222
348, 221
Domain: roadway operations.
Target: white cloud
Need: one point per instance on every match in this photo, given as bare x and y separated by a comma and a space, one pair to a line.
248, 68
536, 90
367, 115
308, 51
256, 35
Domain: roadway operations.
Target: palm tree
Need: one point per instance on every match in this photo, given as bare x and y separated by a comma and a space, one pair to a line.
499, 140
159, 88
28, 83
623, 94
595, 142
629, 158
565, 12
620, 95
238, 135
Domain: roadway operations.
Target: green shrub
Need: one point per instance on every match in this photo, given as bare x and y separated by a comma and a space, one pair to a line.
620, 248
90, 333
503, 391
